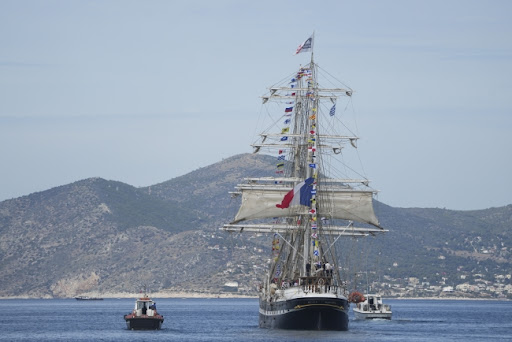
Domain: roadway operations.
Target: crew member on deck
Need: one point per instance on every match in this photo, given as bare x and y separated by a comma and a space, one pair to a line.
328, 269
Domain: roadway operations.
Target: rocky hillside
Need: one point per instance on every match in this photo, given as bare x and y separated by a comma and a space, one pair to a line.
100, 236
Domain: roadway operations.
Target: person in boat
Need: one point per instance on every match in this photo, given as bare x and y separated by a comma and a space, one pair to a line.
144, 309
153, 306
372, 304
308, 269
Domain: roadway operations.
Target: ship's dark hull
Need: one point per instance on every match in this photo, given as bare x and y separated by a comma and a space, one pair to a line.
312, 313
144, 323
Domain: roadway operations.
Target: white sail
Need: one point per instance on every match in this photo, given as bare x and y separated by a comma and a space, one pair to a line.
351, 205
260, 202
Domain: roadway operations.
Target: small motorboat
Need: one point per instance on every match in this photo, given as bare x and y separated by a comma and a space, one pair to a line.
88, 298
372, 308
144, 316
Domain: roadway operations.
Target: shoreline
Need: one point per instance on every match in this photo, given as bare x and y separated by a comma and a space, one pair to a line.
192, 295
448, 298
122, 295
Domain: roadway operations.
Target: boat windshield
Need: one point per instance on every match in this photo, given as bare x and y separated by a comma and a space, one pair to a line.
141, 305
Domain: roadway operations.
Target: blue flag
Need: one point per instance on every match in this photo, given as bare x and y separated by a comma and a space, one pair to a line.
333, 110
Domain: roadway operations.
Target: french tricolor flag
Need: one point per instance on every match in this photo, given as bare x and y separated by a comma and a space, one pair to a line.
299, 195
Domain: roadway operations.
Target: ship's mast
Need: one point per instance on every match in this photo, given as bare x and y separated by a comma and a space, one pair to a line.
309, 138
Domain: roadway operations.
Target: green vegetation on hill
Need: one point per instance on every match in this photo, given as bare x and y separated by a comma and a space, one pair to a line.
131, 207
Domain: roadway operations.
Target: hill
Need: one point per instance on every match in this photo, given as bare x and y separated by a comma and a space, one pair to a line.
102, 236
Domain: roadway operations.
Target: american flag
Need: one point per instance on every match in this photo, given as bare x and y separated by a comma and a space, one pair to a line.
306, 46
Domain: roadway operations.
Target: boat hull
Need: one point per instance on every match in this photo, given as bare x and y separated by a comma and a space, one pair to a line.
143, 323
372, 315
312, 313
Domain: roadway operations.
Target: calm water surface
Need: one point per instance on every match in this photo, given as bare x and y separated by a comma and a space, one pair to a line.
237, 320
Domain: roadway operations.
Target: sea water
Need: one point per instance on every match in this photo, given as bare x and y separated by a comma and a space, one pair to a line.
237, 320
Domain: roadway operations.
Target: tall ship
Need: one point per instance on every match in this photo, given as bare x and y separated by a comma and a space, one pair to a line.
308, 205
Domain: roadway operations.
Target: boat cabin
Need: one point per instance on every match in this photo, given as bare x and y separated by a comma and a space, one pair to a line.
373, 303
144, 307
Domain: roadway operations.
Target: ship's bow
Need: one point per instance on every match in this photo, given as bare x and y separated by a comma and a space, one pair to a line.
305, 314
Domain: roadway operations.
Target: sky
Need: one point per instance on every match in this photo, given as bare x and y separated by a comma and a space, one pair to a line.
145, 91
